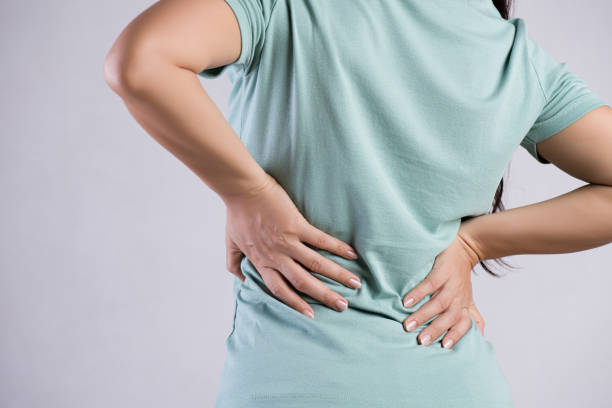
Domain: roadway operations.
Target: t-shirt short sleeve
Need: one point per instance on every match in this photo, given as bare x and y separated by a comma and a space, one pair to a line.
566, 98
253, 17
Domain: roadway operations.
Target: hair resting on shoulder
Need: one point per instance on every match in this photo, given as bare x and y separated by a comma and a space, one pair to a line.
503, 6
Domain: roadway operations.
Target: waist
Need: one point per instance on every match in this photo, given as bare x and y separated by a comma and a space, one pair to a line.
275, 353
383, 287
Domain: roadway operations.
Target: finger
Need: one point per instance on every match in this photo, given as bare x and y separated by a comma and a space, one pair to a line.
283, 292
430, 284
317, 263
439, 325
458, 330
477, 317
314, 236
305, 282
438, 303
233, 257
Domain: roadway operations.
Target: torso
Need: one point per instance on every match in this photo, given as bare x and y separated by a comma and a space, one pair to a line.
386, 122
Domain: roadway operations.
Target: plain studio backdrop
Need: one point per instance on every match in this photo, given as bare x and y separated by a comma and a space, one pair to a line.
113, 287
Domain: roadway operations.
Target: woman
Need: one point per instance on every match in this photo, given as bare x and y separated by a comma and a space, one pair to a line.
381, 127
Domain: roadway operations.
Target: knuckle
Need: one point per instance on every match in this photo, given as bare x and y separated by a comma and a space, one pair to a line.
453, 315
457, 331
273, 264
440, 302
275, 288
296, 224
448, 302
435, 280
255, 256
457, 311
477, 319
298, 220
478, 322
299, 283
436, 326
420, 292
452, 334
315, 265
279, 240
320, 240
427, 285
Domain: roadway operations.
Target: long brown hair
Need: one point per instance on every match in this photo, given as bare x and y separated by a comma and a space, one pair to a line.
503, 6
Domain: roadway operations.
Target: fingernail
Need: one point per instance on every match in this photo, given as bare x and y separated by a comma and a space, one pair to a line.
355, 283
411, 325
351, 253
425, 339
408, 302
447, 343
341, 304
308, 313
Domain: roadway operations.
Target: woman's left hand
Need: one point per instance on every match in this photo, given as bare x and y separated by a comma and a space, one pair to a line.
450, 279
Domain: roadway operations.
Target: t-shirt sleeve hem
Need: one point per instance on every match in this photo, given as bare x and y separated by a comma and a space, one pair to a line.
245, 41
565, 117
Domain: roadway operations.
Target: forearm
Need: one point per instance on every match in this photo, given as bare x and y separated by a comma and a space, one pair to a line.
575, 221
171, 105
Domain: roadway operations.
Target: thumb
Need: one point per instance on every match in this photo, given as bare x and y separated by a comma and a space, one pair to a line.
477, 317
233, 257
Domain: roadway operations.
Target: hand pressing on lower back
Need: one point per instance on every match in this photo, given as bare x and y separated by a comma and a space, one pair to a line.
153, 66
450, 284
267, 227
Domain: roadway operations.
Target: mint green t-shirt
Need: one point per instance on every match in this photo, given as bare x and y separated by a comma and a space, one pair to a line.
386, 122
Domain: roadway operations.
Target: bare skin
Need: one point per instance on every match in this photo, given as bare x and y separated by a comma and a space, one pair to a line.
152, 66
270, 231
575, 221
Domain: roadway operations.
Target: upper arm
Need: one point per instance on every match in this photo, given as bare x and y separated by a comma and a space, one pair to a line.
584, 148
573, 130
197, 35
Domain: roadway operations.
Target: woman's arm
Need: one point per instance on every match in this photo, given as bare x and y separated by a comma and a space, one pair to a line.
575, 221
153, 66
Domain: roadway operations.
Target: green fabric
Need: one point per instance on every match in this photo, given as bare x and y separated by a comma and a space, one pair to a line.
386, 122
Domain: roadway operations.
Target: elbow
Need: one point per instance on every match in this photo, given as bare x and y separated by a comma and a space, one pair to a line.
126, 68
116, 73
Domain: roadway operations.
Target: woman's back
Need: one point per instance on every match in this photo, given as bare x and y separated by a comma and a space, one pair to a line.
386, 122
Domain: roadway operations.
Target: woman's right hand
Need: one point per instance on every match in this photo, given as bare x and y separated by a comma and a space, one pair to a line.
267, 227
